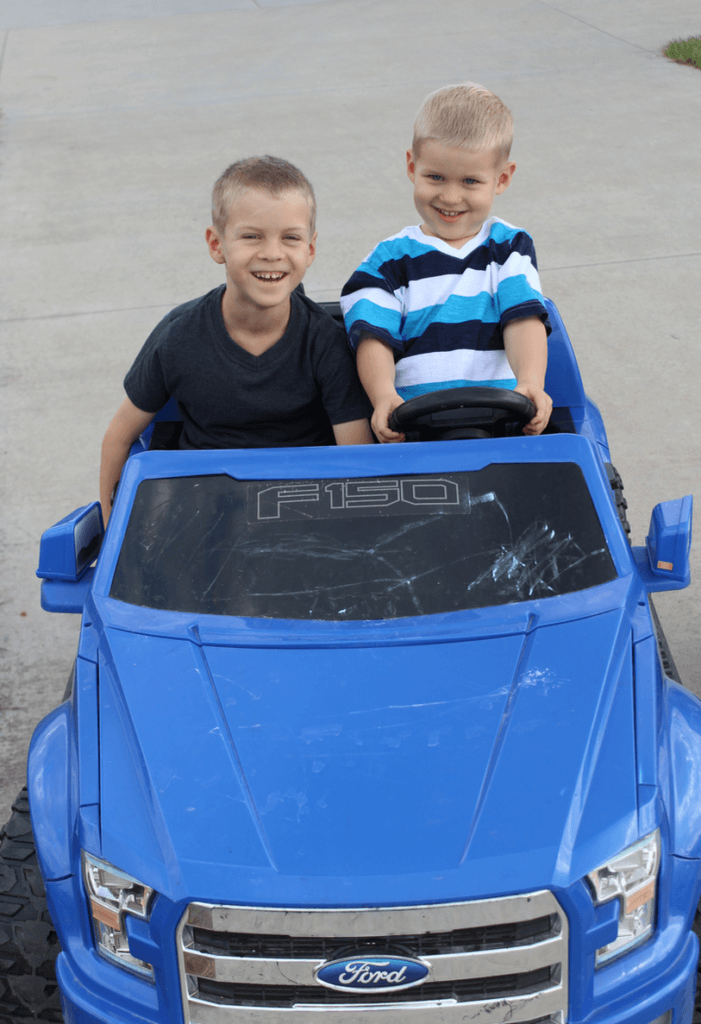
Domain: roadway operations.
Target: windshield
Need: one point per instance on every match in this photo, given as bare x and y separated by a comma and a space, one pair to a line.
361, 548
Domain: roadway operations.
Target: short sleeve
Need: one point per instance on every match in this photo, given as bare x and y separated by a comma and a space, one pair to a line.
336, 377
145, 382
519, 292
371, 301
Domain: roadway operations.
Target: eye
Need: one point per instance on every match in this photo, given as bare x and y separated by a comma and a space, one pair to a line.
470, 181
292, 238
435, 177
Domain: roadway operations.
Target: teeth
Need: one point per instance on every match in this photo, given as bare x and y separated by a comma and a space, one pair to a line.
268, 277
450, 213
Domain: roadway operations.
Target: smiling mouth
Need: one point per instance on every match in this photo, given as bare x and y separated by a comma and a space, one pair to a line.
450, 214
262, 275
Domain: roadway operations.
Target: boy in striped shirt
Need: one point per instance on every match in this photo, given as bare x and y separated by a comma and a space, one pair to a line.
456, 300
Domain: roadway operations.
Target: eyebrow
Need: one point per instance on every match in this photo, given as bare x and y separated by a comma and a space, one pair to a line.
467, 174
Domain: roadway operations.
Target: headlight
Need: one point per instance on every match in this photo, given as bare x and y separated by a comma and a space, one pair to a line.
111, 895
631, 876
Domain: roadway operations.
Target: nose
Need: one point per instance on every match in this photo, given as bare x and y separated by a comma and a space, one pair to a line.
451, 192
271, 248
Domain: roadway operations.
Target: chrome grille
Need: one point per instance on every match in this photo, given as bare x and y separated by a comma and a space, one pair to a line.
305, 947
499, 959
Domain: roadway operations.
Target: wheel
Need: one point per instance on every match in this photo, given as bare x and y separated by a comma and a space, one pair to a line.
671, 671
621, 503
474, 412
696, 1019
28, 943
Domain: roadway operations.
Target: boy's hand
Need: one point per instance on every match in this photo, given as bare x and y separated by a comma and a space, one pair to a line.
543, 407
380, 419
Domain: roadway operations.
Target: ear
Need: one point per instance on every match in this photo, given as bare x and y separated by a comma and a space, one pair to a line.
312, 249
504, 180
410, 165
214, 245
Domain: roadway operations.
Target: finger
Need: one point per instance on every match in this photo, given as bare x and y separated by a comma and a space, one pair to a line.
534, 426
379, 425
385, 434
392, 435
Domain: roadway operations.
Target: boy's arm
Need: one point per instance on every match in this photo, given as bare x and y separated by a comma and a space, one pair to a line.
376, 372
526, 346
353, 432
124, 429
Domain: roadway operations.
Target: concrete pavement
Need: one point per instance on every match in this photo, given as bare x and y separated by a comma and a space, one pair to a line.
117, 119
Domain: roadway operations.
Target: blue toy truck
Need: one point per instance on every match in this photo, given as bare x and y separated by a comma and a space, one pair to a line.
374, 735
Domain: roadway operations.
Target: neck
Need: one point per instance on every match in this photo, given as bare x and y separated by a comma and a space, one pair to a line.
254, 329
240, 318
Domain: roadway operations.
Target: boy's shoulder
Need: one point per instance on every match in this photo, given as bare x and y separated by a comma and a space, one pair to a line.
317, 322
499, 230
311, 308
191, 309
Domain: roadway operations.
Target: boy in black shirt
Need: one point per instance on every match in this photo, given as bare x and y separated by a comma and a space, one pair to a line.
253, 363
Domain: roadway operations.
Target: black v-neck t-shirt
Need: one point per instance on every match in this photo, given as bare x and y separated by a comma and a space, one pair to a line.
289, 395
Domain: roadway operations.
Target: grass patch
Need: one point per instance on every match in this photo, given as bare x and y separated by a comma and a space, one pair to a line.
685, 51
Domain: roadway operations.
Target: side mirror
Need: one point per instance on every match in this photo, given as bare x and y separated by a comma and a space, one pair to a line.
664, 561
66, 553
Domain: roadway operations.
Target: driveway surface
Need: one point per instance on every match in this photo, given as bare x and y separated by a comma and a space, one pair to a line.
118, 117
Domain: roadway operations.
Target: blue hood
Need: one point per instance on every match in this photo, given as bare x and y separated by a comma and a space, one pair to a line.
391, 774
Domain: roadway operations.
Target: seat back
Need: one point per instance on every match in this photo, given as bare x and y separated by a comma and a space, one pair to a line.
169, 412
563, 381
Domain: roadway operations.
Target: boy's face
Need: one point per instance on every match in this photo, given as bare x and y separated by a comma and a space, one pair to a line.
266, 247
454, 189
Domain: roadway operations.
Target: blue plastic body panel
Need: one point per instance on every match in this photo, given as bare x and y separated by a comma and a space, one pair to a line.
669, 539
657, 582
419, 760
66, 595
62, 552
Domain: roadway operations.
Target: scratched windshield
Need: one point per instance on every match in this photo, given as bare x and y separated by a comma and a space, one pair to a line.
376, 548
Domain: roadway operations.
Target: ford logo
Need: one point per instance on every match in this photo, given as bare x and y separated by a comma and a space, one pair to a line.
372, 973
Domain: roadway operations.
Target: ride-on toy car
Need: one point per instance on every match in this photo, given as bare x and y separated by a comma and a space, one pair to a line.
365, 735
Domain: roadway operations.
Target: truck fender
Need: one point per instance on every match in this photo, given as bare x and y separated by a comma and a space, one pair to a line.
51, 802
684, 711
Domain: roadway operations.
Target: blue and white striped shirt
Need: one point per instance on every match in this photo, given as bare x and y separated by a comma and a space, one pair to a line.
443, 309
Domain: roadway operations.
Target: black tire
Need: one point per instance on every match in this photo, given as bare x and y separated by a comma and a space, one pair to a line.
28, 943
621, 503
670, 670
696, 1019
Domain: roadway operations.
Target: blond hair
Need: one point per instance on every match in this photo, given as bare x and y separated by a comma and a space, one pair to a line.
270, 173
465, 116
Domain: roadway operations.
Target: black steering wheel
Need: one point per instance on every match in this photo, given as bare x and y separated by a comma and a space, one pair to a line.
456, 413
